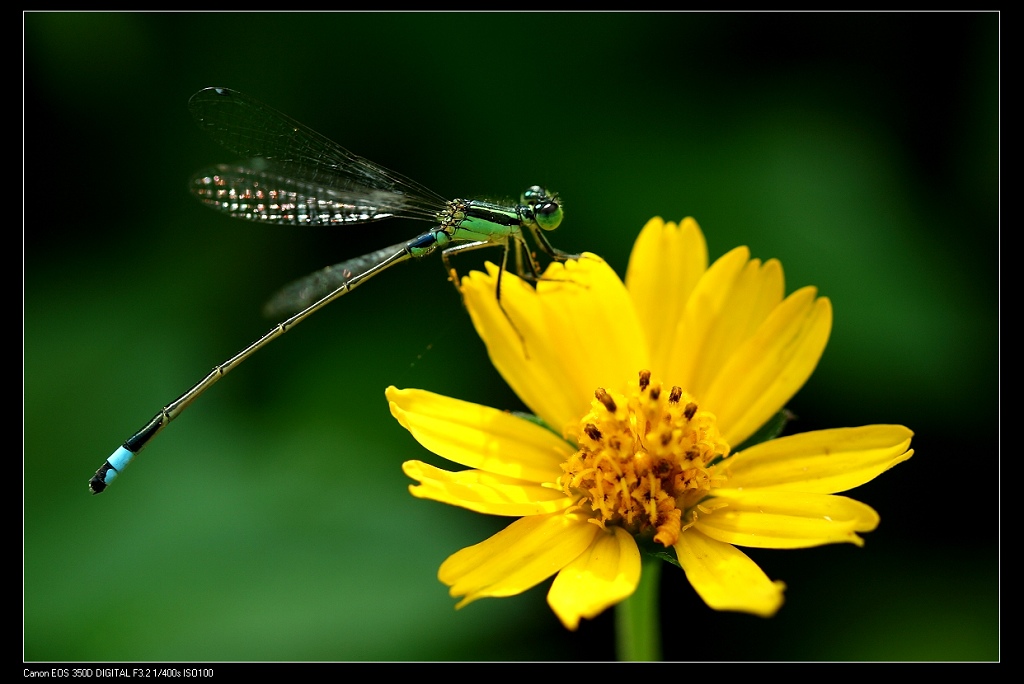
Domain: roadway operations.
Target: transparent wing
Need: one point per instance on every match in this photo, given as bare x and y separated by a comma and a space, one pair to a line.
259, 190
299, 294
294, 174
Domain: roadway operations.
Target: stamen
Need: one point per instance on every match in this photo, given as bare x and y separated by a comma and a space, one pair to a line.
646, 467
606, 399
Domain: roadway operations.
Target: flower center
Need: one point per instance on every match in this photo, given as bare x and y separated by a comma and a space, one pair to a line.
645, 460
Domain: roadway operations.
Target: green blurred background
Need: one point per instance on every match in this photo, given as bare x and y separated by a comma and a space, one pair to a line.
272, 522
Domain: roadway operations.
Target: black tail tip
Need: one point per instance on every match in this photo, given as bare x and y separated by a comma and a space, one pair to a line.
98, 482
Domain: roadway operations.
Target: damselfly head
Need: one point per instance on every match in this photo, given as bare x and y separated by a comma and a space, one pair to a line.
546, 208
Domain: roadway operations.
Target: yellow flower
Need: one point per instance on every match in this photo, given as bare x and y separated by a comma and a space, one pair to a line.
651, 387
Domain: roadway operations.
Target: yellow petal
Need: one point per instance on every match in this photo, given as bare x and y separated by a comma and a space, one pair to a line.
773, 519
824, 461
688, 341
484, 492
754, 294
578, 332
478, 436
606, 573
725, 577
531, 378
665, 265
519, 557
769, 368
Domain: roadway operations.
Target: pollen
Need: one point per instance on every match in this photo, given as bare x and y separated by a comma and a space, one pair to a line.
646, 459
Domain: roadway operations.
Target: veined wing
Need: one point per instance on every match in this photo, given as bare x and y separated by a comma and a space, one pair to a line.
305, 291
262, 190
251, 129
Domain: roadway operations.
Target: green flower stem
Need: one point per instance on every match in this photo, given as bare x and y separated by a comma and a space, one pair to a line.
637, 631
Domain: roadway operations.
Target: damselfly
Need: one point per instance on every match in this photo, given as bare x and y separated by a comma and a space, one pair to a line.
293, 175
